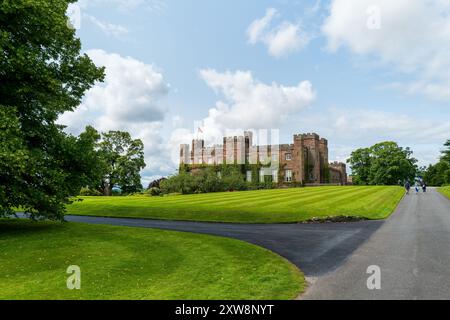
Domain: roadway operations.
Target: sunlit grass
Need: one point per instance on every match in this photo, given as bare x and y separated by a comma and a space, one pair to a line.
445, 191
135, 263
265, 206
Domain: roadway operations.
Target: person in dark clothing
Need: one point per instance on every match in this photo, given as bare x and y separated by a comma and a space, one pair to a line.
407, 187
424, 187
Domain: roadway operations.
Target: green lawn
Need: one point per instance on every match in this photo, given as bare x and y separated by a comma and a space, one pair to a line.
265, 206
134, 263
445, 191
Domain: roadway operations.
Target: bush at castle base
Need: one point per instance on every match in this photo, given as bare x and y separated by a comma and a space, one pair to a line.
208, 180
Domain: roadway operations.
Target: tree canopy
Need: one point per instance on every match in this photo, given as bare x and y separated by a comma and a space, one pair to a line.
439, 173
43, 75
123, 159
384, 163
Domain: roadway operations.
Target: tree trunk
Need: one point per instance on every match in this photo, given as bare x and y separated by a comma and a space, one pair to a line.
107, 191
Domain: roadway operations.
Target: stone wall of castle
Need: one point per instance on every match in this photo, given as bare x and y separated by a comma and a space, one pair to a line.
303, 161
338, 173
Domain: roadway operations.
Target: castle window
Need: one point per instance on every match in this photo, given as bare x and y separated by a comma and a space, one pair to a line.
288, 157
261, 176
288, 175
275, 176
249, 176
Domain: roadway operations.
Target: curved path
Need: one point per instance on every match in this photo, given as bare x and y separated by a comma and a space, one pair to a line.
412, 249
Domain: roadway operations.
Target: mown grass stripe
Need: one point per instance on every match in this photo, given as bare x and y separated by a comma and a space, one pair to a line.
279, 201
255, 199
263, 206
304, 201
237, 197
226, 196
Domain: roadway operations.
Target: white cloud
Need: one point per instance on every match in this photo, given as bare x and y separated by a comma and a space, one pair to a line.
281, 40
414, 37
128, 100
436, 91
247, 104
355, 128
115, 30
258, 28
132, 89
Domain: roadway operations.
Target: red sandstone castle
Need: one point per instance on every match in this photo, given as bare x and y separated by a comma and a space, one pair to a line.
305, 161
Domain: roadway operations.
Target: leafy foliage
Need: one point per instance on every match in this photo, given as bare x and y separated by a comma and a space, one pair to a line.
446, 152
123, 159
90, 192
205, 180
154, 192
439, 173
385, 163
156, 183
360, 163
43, 75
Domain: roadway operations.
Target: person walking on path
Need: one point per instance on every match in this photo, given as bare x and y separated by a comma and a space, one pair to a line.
407, 187
417, 187
424, 187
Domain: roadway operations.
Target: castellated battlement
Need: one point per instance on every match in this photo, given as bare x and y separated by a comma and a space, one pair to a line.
303, 161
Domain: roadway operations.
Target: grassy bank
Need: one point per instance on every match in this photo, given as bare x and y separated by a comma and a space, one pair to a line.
133, 263
265, 206
445, 191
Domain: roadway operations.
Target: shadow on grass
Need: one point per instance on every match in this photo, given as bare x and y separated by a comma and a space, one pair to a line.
23, 227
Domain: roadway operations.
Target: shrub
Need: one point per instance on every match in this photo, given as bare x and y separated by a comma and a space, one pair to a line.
154, 192
86, 192
233, 181
181, 183
204, 181
156, 183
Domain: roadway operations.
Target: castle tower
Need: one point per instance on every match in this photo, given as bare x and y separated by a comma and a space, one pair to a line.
311, 141
298, 158
323, 156
303, 161
229, 150
185, 154
198, 146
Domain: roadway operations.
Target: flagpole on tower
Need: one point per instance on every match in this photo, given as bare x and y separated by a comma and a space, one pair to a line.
199, 130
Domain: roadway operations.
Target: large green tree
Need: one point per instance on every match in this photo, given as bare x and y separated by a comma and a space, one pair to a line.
42, 75
446, 152
385, 163
439, 173
123, 159
360, 163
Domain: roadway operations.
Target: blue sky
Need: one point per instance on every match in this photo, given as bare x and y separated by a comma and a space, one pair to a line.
370, 71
